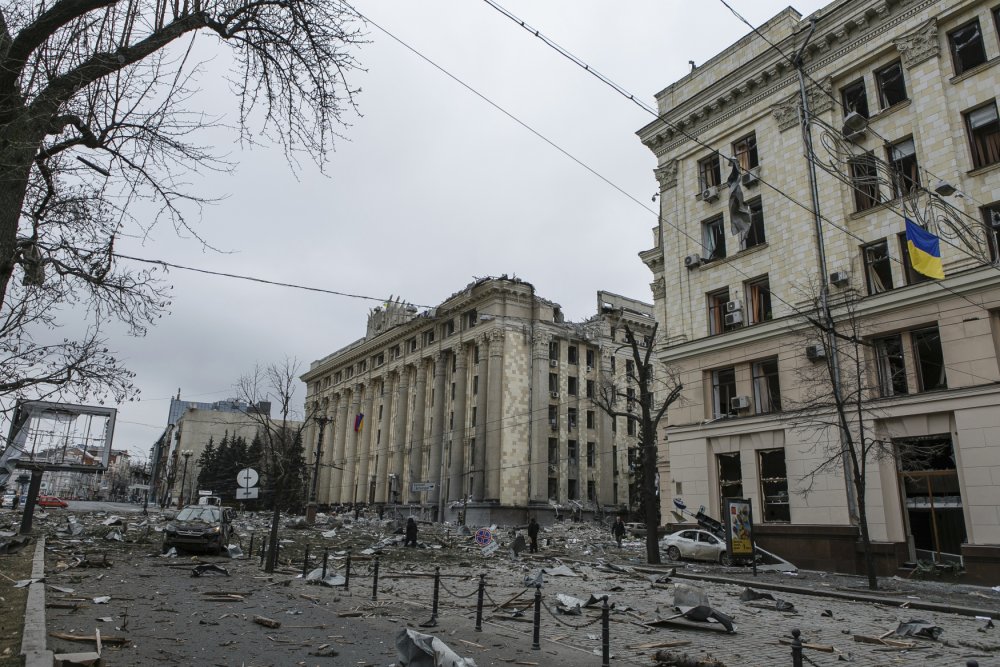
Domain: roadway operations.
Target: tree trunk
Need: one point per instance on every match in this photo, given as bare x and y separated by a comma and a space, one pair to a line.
650, 504
16, 160
866, 541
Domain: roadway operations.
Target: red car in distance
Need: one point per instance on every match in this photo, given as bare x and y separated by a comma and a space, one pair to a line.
51, 501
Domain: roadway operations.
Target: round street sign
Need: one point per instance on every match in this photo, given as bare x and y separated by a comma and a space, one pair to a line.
483, 537
247, 477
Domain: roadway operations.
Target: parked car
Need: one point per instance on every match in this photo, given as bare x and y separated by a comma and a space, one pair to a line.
51, 501
696, 545
199, 527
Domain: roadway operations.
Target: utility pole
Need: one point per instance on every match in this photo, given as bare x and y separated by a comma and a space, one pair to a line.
187, 455
321, 422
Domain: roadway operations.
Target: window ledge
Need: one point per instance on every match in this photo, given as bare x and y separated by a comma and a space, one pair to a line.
728, 258
890, 110
958, 78
979, 171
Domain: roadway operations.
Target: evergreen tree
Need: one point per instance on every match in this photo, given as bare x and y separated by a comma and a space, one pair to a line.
206, 463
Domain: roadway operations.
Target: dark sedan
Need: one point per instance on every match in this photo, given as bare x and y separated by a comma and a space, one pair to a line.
199, 527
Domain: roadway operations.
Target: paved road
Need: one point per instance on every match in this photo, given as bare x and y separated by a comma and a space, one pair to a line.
103, 506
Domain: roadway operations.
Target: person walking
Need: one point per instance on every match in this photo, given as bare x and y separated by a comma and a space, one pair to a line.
411, 533
533, 528
618, 531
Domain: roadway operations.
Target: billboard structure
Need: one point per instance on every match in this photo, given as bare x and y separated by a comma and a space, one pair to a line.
58, 436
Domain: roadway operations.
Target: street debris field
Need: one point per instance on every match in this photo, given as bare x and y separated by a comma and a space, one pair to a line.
111, 592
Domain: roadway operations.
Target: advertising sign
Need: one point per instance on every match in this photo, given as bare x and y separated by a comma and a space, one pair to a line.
417, 487
484, 536
739, 527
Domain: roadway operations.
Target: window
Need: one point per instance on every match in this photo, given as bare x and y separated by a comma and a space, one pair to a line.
630, 426
730, 478
411, 344
991, 217
890, 365
723, 391
756, 234
475, 354
878, 269
932, 494
473, 415
592, 491
758, 300
590, 358
554, 417
709, 173
572, 356
362, 365
713, 238
448, 328
864, 182
717, 311
470, 318
614, 462
475, 385
890, 84
745, 152
774, 485
854, 98
572, 492
453, 391
553, 382
591, 454
903, 167
571, 451
428, 337
338, 376
571, 417
379, 359
983, 127
967, 49
590, 388
554, 350
591, 419
928, 359
572, 386
912, 277
629, 369
766, 390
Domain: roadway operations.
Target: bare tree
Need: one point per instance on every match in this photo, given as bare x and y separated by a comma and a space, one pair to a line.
266, 389
617, 399
96, 118
836, 393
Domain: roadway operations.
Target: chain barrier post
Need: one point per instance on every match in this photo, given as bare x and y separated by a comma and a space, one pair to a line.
605, 633
263, 550
479, 603
347, 572
326, 555
375, 582
305, 563
437, 587
535, 645
250, 550
796, 648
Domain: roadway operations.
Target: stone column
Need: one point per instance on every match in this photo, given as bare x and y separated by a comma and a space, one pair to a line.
606, 440
326, 456
457, 484
540, 429
494, 416
440, 397
365, 440
399, 437
417, 432
382, 447
482, 400
340, 426
351, 454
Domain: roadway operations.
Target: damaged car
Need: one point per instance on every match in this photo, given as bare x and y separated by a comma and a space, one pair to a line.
199, 528
696, 545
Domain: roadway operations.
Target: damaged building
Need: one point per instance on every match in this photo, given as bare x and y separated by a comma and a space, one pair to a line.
483, 405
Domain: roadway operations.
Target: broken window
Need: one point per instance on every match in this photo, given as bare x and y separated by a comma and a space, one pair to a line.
967, 48
903, 168
553, 451
983, 127
572, 490
891, 85
471, 318
766, 390
854, 98
571, 355
554, 417
591, 491
475, 385
630, 427
890, 365
713, 236
553, 382
475, 354
448, 327
774, 485
428, 337
590, 388
864, 182
473, 415
590, 359
932, 495
878, 267
709, 174
912, 276
591, 419
991, 218
723, 391
717, 311
571, 386
571, 417
730, 478
758, 297
571, 452
591, 454
411, 344
745, 152
629, 370
614, 462
928, 358
755, 236
554, 350
554, 488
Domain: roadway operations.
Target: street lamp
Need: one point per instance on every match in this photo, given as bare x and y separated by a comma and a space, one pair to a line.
187, 455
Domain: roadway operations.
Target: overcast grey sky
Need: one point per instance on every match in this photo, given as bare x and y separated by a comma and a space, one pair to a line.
432, 187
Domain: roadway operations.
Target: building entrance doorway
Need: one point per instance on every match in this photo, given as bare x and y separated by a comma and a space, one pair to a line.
932, 499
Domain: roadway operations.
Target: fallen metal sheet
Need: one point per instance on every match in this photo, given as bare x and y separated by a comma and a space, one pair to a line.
569, 605
415, 649
681, 622
208, 568
687, 596
332, 580
918, 628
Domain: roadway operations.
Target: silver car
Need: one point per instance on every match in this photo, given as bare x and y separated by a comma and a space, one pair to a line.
696, 545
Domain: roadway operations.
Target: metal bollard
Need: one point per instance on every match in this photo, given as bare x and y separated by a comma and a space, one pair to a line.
305, 563
972, 663
347, 572
437, 587
375, 583
250, 550
535, 645
479, 603
605, 633
263, 550
796, 648
326, 555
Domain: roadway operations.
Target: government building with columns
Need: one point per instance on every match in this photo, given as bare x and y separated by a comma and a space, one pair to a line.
485, 404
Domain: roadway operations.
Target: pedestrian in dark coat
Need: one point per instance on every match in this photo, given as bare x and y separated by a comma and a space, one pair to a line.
533, 535
411, 533
618, 530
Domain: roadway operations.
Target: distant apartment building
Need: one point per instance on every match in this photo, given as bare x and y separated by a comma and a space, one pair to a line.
483, 404
901, 97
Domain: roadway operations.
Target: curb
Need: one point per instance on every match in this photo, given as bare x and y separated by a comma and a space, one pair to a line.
844, 595
33, 639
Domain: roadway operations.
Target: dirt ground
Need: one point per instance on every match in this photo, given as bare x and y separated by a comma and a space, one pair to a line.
13, 567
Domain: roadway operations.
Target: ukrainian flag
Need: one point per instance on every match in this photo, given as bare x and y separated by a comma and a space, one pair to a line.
925, 251
359, 422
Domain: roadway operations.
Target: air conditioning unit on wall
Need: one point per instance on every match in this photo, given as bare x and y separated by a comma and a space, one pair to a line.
691, 261
553, 362
710, 193
751, 177
733, 319
733, 306
840, 278
739, 403
815, 352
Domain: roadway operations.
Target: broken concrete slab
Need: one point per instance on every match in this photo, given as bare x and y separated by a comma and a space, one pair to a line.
415, 649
